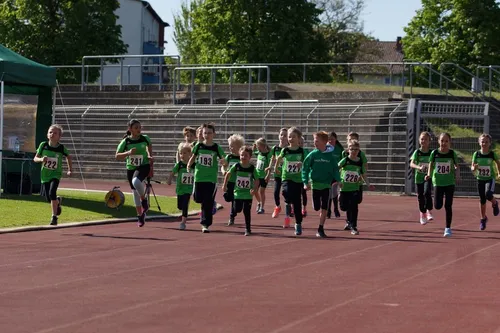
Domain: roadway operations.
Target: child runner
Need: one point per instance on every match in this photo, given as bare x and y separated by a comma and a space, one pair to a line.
189, 134
420, 162
276, 151
136, 149
321, 167
235, 141
303, 190
50, 153
199, 139
205, 173
444, 172
246, 186
263, 159
337, 150
352, 175
482, 167
292, 157
184, 182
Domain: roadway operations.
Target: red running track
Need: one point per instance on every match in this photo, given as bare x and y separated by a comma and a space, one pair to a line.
396, 276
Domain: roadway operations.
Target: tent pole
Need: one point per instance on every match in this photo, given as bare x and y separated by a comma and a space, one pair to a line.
54, 104
1, 132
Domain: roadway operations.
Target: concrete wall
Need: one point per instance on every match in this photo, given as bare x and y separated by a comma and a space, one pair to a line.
377, 79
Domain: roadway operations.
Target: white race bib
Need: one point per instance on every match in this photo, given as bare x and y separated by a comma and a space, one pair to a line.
187, 178
425, 167
243, 182
351, 176
484, 171
135, 160
293, 167
443, 168
51, 163
205, 160
260, 165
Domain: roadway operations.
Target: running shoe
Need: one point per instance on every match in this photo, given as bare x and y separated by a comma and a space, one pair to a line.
495, 209
298, 229
320, 233
429, 216
423, 219
276, 212
482, 223
53, 221
287, 222
204, 229
447, 232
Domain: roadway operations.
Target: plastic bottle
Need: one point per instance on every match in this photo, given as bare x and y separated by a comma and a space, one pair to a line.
17, 146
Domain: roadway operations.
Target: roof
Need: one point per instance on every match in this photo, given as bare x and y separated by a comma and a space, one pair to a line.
18, 70
150, 9
378, 51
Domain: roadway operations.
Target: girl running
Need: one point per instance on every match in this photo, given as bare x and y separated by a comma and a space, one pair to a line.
235, 142
136, 149
337, 150
482, 167
420, 162
444, 172
276, 151
263, 159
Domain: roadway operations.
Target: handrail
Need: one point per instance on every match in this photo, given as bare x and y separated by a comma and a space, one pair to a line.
130, 114
85, 112
178, 112
314, 109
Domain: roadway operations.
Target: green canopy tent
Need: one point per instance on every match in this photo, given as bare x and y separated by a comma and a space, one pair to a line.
19, 75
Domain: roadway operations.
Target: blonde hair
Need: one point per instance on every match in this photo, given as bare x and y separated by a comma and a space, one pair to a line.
247, 149
236, 138
443, 134
262, 141
425, 133
188, 129
353, 144
294, 130
56, 126
484, 135
353, 136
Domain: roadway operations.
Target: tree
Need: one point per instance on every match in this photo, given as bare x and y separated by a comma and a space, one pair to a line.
465, 32
61, 32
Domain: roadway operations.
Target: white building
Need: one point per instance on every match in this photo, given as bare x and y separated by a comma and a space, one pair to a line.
143, 31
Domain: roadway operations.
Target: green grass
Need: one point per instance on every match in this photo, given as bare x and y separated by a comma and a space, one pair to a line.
78, 206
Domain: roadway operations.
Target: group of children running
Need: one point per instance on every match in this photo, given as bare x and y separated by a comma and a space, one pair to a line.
325, 171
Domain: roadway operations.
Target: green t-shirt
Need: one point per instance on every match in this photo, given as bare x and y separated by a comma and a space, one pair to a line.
245, 178
443, 173
421, 159
321, 167
52, 168
276, 151
263, 160
486, 162
184, 183
337, 150
231, 160
361, 154
206, 169
140, 157
350, 174
292, 164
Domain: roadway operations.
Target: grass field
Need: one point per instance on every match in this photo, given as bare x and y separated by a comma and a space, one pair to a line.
78, 206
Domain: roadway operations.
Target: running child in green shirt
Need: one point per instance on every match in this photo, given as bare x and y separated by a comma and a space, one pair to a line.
352, 169
291, 175
206, 154
189, 134
136, 149
483, 167
184, 182
321, 168
444, 172
50, 153
420, 163
246, 185
263, 152
337, 150
276, 151
303, 191
235, 142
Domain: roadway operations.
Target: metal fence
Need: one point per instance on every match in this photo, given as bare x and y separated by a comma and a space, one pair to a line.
93, 132
465, 122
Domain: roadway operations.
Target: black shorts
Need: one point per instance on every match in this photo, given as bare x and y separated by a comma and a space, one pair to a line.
262, 182
140, 172
320, 199
229, 195
49, 189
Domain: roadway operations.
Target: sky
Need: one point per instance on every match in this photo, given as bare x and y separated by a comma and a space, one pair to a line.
383, 19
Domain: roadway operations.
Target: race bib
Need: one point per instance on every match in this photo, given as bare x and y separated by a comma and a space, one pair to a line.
205, 160
136, 160
443, 168
484, 171
425, 167
51, 163
230, 164
187, 178
243, 182
293, 167
260, 165
351, 176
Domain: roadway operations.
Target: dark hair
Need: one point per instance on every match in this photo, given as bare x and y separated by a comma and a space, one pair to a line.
131, 123
337, 142
209, 126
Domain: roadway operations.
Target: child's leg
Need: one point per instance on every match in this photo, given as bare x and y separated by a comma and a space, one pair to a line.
481, 189
335, 198
229, 195
237, 207
185, 205
324, 197
428, 194
490, 190
257, 196
262, 192
286, 191
304, 197
205, 194
354, 210
138, 177
449, 191
421, 198
438, 196
296, 200
247, 212
277, 188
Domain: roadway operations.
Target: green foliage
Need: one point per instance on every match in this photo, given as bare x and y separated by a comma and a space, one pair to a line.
465, 32
61, 32
268, 31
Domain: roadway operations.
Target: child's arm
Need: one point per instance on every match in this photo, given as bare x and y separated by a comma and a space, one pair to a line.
170, 177
149, 149
306, 169
226, 179
39, 159
255, 187
277, 163
416, 166
223, 162
122, 156
190, 162
70, 165
365, 179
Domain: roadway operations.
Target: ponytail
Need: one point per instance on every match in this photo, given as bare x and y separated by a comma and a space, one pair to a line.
131, 123
127, 134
